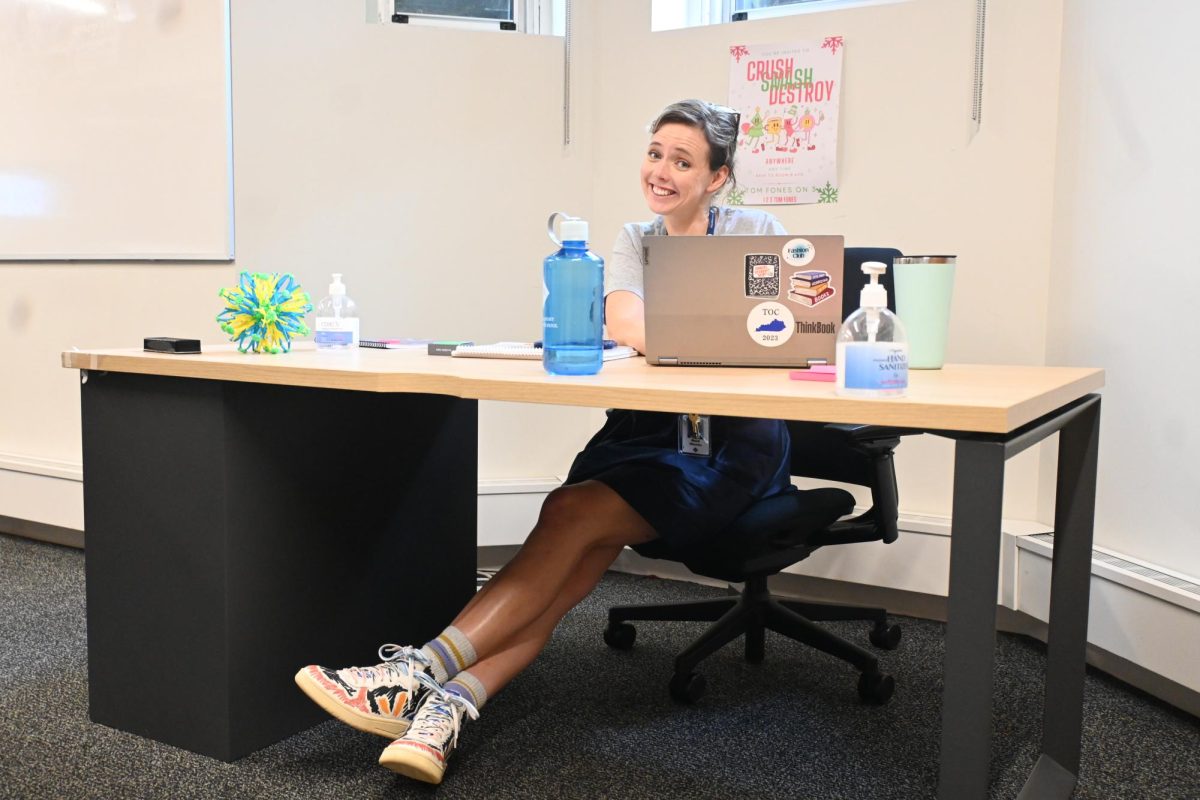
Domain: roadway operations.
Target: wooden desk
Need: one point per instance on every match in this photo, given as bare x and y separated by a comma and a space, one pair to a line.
247, 514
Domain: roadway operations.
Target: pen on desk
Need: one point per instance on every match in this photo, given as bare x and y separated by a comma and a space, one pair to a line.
609, 344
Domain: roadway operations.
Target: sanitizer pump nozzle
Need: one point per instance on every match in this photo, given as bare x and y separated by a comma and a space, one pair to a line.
873, 296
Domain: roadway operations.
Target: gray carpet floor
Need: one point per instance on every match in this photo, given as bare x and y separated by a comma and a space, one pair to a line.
584, 721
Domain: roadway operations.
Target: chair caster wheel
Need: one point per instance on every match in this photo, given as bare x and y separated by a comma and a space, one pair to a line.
885, 637
687, 688
875, 688
620, 635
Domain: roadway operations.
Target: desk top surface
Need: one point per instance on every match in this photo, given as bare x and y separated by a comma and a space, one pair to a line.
981, 398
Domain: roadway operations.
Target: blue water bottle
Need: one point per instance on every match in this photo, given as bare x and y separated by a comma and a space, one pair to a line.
573, 312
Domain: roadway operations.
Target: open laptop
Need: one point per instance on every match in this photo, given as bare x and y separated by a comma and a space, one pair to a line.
760, 301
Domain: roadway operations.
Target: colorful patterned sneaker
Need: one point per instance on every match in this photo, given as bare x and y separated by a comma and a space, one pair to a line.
380, 699
422, 752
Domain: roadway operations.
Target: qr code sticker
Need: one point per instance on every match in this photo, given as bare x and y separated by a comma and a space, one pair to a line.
762, 275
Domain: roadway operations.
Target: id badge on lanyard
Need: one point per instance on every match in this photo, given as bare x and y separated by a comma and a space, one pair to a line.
695, 430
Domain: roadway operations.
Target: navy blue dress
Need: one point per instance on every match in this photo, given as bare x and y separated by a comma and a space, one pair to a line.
687, 499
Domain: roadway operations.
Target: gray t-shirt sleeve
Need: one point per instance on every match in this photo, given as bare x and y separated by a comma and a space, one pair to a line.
624, 270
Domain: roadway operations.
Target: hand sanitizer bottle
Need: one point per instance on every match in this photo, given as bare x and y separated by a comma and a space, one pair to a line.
573, 311
872, 349
336, 319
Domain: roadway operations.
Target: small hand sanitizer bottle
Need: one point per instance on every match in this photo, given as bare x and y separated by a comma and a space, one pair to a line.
336, 319
872, 348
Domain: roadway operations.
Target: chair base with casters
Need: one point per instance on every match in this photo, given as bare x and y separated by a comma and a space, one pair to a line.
768, 537
752, 614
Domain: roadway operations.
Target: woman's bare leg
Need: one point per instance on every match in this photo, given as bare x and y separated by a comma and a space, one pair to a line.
497, 670
580, 531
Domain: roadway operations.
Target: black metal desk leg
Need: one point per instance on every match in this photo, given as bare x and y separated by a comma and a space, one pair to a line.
971, 620
1074, 513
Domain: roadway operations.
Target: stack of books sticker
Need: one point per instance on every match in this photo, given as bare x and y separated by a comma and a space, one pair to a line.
809, 287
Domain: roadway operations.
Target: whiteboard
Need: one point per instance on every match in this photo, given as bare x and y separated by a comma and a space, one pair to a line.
115, 130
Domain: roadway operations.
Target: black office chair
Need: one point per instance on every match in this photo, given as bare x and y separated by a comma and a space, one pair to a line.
780, 531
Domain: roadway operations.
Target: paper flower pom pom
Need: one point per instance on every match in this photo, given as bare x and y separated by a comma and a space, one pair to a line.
264, 312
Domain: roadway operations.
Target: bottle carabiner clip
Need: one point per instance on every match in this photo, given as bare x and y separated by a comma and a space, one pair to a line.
563, 217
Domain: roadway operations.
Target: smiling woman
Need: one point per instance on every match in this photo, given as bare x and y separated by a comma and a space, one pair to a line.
689, 162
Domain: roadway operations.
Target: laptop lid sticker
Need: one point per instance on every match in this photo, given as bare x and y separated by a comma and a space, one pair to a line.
762, 275
770, 324
810, 287
799, 252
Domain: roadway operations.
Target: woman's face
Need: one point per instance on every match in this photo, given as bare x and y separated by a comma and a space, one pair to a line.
676, 179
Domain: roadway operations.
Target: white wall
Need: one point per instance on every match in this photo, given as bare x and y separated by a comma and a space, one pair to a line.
1126, 275
421, 162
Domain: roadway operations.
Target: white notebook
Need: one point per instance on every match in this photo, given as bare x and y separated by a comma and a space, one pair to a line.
525, 350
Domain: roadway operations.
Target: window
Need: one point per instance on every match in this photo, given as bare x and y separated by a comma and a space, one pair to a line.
528, 16
753, 5
670, 14
469, 9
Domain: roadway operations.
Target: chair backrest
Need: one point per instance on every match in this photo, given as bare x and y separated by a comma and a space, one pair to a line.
828, 455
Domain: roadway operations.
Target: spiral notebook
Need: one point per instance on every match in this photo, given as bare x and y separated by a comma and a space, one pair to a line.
526, 350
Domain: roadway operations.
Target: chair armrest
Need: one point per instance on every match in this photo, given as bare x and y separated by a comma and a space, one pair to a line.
871, 432
859, 454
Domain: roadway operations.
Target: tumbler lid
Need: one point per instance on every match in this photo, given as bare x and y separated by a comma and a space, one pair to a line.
924, 259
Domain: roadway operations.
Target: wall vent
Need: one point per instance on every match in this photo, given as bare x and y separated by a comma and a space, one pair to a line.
1137, 569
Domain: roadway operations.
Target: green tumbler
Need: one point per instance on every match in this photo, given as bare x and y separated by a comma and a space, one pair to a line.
924, 285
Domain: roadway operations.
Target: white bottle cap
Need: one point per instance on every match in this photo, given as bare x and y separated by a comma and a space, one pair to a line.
873, 295
337, 287
573, 230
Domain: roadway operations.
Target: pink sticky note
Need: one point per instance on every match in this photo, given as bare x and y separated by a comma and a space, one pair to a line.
820, 372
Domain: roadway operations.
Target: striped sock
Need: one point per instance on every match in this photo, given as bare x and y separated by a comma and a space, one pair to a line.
468, 687
449, 654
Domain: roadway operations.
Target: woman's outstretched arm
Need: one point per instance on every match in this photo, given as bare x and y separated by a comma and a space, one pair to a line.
625, 315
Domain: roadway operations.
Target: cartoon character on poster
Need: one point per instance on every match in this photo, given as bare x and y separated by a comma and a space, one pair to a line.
774, 127
753, 131
788, 95
804, 133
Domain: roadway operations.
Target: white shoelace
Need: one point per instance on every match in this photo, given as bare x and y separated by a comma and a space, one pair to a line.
399, 664
397, 652
440, 717
371, 677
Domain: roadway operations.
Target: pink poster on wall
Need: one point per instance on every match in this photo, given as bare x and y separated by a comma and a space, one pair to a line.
788, 96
